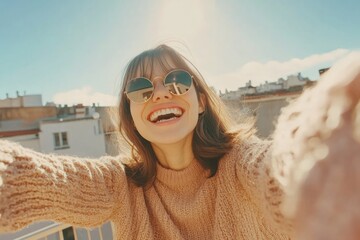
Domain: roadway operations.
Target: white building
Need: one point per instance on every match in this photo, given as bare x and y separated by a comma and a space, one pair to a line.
21, 101
21, 131
280, 84
241, 91
230, 95
40, 129
82, 137
269, 87
248, 89
295, 80
26, 138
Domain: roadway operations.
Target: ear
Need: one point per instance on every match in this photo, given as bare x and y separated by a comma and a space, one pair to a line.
202, 103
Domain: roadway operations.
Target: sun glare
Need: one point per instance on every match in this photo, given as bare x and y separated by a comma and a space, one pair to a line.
187, 19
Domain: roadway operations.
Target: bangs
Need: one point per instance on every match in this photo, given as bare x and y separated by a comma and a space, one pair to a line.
166, 58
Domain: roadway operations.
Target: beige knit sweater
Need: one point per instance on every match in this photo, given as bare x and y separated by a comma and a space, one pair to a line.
240, 202
244, 200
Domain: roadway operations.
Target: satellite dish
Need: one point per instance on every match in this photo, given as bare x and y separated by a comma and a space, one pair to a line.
96, 115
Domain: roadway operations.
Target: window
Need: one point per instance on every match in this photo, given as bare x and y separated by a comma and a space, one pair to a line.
68, 233
61, 140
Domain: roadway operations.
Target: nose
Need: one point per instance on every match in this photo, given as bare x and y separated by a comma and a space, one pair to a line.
160, 92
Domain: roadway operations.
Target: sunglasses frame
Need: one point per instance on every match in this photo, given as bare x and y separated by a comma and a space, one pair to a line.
163, 82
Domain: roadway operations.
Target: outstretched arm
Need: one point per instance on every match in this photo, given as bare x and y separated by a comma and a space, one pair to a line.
35, 186
308, 178
317, 156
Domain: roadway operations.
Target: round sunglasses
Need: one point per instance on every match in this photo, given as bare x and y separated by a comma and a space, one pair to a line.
140, 90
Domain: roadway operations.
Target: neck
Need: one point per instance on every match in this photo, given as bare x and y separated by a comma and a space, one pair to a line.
176, 156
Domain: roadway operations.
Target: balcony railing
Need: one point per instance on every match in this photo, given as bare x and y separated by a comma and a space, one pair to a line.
58, 231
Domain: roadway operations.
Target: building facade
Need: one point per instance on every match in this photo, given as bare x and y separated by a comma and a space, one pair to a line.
291, 83
21, 101
83, 137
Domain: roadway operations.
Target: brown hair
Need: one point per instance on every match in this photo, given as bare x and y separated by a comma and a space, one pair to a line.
212, 138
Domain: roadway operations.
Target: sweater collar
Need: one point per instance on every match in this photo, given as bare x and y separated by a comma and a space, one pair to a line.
192, 175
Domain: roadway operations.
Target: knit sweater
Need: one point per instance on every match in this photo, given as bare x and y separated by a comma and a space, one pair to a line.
254, 183
240, 202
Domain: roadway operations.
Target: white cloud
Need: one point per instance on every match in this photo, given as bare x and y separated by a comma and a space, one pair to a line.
259, 72
85, 95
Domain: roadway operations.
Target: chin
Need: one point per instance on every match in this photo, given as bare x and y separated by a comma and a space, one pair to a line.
171, 138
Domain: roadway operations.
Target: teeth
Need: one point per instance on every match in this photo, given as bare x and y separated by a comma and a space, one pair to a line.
164, 120
176, 111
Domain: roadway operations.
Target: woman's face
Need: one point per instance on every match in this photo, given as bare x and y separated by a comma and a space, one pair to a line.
184, 111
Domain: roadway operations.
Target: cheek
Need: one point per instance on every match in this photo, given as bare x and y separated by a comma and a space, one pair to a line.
194, 103
136, 111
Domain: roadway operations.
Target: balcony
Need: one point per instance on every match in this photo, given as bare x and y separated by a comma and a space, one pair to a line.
56, 231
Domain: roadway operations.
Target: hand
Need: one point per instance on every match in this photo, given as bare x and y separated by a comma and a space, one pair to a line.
328, 204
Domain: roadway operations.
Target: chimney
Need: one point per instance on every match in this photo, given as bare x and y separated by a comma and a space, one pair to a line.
7, 95
80, 111
17, 94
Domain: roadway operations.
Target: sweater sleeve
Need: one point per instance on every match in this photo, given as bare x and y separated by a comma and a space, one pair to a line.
316, 155
306, 178
254, 170
36, 186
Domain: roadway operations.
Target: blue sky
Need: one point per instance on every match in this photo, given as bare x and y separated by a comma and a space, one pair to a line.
75, 51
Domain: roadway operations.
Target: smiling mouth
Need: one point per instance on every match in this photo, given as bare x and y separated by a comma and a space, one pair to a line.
166, 114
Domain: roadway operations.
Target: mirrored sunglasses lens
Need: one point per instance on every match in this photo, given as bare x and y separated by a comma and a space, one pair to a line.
139, 90
178, 82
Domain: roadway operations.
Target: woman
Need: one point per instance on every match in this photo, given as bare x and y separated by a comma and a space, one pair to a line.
190, 175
